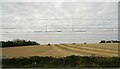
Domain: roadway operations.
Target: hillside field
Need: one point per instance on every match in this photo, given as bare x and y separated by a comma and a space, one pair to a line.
62, 50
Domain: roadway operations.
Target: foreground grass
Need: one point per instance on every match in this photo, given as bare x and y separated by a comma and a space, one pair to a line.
69, 61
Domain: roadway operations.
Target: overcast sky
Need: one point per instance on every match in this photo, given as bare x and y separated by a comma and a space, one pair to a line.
77, 21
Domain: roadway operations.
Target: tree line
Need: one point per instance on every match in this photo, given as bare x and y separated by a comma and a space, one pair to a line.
109, 41
17, 42
69, 61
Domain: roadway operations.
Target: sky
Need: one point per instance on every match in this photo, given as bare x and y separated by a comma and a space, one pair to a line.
77, 22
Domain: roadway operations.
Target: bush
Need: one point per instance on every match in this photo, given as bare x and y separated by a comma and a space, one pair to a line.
69, 61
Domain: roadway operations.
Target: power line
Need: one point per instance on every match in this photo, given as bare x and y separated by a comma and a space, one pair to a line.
71, 19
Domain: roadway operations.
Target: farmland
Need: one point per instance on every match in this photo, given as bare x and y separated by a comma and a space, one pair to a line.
62, 50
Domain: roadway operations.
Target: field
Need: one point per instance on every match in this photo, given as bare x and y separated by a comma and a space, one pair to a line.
62, 50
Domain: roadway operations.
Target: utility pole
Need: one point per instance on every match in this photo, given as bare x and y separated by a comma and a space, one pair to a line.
72, 22
46, 23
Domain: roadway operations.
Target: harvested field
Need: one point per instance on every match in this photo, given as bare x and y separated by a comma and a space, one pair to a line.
62, 50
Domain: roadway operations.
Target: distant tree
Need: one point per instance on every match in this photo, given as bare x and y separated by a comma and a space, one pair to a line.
108, 42
73, 43
17, 42
85, 43
49, 44
115, 41
102, 41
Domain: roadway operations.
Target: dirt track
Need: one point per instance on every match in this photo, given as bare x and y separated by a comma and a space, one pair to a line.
61, 50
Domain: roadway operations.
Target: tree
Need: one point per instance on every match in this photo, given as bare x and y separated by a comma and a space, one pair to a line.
102, 41
108, 42
17, 42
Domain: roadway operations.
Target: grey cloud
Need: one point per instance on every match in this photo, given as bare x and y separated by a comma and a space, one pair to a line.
29, 17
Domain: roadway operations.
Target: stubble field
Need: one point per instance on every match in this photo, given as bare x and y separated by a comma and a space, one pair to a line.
62, 50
